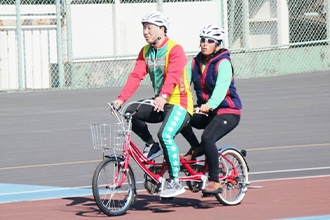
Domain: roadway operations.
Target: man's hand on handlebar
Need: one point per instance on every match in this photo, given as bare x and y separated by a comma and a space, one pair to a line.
118, 103
159, 104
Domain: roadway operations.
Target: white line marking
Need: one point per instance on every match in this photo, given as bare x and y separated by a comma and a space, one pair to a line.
289, 170
292, 178
44, 190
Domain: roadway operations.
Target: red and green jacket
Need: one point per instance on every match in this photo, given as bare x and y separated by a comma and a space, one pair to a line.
166, 66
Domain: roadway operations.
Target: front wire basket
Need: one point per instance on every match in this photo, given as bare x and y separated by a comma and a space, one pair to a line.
108, 136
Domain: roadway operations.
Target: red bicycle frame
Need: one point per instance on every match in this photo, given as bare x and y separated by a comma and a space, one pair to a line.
131, 150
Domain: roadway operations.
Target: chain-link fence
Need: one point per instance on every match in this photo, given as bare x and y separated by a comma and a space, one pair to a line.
68, 44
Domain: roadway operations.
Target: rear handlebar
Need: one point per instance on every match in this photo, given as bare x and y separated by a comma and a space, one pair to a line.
197, 110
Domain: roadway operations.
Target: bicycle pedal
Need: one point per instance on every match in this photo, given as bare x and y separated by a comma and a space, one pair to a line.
204, 195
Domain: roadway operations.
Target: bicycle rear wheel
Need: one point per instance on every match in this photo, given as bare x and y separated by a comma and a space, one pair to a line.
111, 198
234, 177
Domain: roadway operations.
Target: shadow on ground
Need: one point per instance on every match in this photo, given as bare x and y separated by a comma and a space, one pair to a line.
145, 202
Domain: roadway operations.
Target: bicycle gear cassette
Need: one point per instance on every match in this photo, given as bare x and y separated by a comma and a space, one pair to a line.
195, 186
149, 184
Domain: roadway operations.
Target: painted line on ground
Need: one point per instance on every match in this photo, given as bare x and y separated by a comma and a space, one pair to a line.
94, 161
289, 147
292, 178
289, 170
321, 217
20, 192
49, 164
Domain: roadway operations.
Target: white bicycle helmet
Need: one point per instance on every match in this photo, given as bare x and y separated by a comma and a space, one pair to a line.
214, 32
156, 18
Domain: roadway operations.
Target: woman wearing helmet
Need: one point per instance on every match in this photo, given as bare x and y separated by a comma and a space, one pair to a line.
165, 62
213, 78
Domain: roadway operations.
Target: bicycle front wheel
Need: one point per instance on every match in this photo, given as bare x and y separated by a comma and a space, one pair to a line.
234, 177
114, 187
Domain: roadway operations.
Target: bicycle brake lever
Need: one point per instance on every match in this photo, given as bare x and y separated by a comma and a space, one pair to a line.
113, 107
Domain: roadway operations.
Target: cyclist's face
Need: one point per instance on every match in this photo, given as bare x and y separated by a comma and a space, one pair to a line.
208, 46
151, 32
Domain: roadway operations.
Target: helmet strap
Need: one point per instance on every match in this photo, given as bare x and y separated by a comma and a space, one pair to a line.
158, 38
206, 59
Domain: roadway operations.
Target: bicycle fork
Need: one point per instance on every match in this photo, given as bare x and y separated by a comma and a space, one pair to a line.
121, 175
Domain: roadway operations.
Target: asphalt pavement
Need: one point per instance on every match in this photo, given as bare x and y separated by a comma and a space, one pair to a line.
45, 137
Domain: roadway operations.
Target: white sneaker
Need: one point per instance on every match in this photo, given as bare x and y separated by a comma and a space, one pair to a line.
172, 188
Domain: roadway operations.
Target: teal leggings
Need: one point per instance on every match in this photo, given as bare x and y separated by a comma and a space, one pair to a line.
173, 119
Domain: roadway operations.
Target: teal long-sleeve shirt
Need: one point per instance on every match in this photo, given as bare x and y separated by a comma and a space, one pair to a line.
222, 83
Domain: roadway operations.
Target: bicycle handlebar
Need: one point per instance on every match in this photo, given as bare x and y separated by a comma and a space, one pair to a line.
147, 101
126, 115
197, 110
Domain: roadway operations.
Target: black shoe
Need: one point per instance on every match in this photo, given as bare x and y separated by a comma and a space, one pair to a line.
152, 151
193, 153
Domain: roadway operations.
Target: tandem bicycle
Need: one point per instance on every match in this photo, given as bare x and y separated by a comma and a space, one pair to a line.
114, 186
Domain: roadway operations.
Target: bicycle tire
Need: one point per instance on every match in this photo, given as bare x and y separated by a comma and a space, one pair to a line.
233, 191
110, 199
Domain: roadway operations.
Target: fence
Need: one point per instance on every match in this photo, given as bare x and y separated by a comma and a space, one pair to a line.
54, 44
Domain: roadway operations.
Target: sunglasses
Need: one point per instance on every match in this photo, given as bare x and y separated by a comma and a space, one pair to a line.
208, 40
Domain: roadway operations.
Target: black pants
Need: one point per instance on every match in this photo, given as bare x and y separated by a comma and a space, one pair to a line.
215, 127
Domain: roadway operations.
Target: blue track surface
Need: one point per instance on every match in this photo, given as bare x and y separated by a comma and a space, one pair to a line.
20, 192
322, 217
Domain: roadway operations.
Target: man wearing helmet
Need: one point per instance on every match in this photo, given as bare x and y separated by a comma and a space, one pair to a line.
212, 75
165, 62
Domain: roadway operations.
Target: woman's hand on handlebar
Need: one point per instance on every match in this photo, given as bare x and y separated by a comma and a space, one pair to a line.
205, 108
